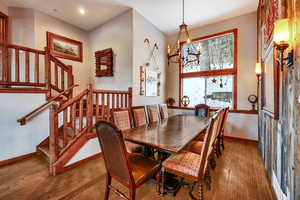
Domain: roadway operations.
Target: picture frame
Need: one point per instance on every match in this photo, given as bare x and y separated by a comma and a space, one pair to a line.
104, 62
270, 82
63, 47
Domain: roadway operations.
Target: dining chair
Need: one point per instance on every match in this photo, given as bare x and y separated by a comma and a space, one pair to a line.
139, 116
131, 170
153, 113
163, 108
191, 166
202, 110
123, 120
196, 145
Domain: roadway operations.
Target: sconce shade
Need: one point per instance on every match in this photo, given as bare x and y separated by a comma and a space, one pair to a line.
281, 31
258, 69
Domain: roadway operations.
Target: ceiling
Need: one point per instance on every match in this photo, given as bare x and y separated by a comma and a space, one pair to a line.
166, 15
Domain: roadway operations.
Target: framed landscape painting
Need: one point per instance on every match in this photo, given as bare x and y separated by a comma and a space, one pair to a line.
64, 47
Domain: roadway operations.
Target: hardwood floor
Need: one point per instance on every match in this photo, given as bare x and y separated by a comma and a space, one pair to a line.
239, 175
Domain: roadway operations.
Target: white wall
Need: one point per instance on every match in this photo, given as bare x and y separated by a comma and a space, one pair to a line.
92, 147
115, 34
16, 140
22, 26
3, 7
44, 23
143, 29
246, 25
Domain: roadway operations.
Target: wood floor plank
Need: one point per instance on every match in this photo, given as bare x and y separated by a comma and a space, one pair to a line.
239, 175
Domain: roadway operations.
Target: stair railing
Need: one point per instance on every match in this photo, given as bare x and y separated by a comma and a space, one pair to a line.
27, 66
33, 113
105, 100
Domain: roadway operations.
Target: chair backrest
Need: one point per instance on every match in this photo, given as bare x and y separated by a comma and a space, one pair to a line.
122, 118
216, 129
139, 116
206, 146
114, 152
163, 108
153, 113
202, 110
224, 120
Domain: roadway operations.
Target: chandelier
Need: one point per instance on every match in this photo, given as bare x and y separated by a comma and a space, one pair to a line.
191, 54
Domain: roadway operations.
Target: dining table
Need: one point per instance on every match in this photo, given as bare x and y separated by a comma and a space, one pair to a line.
168, 135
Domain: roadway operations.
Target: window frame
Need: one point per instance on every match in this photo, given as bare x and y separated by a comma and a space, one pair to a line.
233, 71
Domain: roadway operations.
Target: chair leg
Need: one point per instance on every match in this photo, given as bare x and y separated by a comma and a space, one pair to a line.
163, 181
132, 193
107, 190
222, 142
158, 180
200, 188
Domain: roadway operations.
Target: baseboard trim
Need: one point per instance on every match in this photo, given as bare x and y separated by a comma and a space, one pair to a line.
16, 159
80, 162
240, 138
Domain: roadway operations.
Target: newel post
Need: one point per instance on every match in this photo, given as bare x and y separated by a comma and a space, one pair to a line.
130, 97
90, 108
53, 138
70, 81
48, 71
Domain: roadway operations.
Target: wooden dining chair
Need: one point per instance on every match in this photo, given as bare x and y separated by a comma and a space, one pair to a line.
163, 108
139, 116
202, 110
123, 120
131, 170
153, 113
196, 145
191, 166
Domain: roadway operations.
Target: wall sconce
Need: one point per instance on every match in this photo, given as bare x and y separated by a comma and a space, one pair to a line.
258, 75
281, 38
258, 70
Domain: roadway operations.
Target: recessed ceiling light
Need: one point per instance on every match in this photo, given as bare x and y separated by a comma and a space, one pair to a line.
82, 11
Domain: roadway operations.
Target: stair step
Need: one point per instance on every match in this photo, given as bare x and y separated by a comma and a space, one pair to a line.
44, 151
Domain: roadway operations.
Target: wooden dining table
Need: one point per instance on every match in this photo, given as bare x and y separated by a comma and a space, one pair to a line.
169, 135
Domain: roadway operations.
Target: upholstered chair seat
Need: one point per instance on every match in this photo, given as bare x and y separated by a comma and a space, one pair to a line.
186, 163
142, 168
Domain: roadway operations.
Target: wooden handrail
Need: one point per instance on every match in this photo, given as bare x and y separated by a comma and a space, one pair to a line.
64, 66
22, 48
22, 120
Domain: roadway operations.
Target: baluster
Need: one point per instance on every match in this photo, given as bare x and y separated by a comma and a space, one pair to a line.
27, 67
126, 102
113, 101
37, 68
118, 101
17, 61
81, 114
102, 105
56, 74
65, 124
62, 79
122, 100
74, 113
97, 106
108, 100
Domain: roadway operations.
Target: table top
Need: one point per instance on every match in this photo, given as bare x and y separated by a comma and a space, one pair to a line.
170, 135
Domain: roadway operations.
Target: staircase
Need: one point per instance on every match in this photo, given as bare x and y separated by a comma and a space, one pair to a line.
72, 119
